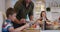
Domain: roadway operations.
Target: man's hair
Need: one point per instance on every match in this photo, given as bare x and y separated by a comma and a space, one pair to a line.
10, 11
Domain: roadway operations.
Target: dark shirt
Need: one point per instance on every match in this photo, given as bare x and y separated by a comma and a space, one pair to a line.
22, 10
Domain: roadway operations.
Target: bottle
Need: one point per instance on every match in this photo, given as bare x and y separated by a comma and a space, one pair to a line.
44, 23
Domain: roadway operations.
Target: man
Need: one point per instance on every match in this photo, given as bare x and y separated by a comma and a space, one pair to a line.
23, 8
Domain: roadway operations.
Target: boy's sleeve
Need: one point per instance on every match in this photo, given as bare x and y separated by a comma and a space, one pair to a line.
8, 26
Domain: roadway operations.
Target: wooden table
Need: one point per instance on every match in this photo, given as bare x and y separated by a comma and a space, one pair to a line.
31, 30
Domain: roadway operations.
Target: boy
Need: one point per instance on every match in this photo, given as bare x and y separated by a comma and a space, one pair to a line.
8, 25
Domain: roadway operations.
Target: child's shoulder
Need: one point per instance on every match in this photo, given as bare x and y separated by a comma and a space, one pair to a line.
8, 21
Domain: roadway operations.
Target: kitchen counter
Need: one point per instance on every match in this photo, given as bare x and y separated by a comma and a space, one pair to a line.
51, 31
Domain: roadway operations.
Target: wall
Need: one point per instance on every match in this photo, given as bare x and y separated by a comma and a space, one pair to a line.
2, 9
10, 3
2, 5
55, 11
1, 21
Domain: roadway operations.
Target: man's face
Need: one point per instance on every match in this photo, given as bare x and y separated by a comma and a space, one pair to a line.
28, 1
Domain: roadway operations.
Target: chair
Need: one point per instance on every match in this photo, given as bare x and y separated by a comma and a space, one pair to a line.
1, 21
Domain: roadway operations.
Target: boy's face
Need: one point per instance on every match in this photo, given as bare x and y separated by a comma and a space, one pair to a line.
13, 17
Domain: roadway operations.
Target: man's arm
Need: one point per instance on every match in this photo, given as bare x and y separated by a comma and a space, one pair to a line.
18, 10
23, 27
17, 21
31, 11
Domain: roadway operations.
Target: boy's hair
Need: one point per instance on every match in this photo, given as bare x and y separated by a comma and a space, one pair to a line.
10, 11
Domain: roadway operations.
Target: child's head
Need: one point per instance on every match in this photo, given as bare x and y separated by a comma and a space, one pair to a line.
43, 14
10, 14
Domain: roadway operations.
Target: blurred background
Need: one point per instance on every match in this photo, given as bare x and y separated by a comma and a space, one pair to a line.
52, 8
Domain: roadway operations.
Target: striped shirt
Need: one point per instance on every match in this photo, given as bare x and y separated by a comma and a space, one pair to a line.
7, 24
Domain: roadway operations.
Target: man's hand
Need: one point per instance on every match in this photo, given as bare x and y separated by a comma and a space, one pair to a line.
27, 25
22, 20
31, 18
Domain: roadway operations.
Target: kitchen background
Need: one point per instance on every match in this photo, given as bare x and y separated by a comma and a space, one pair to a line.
40, 5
